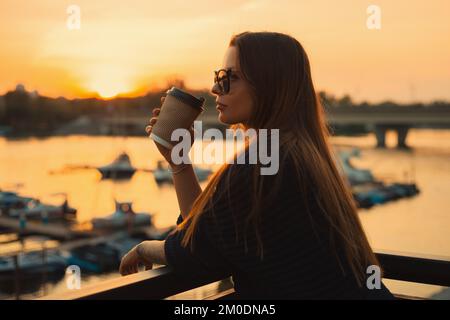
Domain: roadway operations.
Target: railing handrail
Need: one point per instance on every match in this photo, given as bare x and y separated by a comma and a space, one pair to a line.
433, 270
158, 283
163, 282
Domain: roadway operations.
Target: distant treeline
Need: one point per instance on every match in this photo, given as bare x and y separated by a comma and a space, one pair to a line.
27, 113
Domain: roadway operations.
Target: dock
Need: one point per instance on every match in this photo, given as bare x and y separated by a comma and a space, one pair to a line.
150, 233
60, 232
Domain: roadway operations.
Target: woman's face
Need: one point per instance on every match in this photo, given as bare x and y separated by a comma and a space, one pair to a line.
237, 105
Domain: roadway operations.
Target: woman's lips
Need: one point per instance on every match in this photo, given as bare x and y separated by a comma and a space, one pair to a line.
220, 106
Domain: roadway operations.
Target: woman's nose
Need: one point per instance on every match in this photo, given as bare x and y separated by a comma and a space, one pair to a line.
216, 89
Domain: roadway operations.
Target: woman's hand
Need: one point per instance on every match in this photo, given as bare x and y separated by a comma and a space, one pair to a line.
165, 152
145, 253
133, 259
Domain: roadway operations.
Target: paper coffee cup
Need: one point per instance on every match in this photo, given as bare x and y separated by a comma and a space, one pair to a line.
179, 110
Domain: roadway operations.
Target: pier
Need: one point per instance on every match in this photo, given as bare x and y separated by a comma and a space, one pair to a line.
56, 231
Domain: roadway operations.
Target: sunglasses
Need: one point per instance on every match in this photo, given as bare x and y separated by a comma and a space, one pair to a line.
223, 79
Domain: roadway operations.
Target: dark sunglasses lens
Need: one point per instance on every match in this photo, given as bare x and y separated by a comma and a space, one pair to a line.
223, 81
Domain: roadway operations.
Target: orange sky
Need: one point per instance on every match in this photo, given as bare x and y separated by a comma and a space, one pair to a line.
130, 46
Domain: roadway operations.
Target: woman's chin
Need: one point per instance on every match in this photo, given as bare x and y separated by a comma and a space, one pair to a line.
225, 119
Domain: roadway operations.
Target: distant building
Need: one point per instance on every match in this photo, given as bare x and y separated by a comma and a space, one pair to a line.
20, 88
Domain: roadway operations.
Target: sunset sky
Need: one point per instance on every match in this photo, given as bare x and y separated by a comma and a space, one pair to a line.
128, 47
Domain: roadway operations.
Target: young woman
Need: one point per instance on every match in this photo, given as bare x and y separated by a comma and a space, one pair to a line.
293, 235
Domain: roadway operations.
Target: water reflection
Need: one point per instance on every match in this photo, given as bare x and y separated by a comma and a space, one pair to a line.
32, 167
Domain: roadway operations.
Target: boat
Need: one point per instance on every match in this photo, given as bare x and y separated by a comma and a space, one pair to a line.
163, 175
94, 258
354, 175
32, 262
101, 256
366, 190
367, 196
34, 268
405, 189
122, 218
9, 199
153, 233
120, 168
15, 206
35, 209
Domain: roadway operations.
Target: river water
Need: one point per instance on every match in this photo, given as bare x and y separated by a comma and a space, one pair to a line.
38, 168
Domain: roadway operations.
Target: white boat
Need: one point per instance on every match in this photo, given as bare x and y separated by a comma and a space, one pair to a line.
32, 262
354, 175
120, 168
33, 267
122, 218
162, 174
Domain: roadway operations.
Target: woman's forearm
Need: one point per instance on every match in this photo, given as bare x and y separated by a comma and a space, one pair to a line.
152, 250
187, 187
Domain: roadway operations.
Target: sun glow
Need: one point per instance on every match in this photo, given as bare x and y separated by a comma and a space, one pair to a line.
108, 89
123, 49
109, 82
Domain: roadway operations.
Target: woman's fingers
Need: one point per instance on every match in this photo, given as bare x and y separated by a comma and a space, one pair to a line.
130, 269
129, 263
151, 122
156, 111
148, 266
124, 267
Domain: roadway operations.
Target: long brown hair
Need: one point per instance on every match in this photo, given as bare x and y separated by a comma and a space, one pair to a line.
277, 68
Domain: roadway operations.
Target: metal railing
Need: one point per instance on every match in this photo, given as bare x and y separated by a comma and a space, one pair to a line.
164, 282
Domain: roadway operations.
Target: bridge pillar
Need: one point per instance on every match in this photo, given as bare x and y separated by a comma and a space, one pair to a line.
402, 132
380, 134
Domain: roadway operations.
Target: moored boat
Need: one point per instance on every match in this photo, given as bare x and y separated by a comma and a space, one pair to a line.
163, 175
120, 168
122, 218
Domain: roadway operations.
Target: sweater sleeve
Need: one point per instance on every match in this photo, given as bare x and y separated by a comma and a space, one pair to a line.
203, 258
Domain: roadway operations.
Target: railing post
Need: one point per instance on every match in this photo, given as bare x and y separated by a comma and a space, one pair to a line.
16, 277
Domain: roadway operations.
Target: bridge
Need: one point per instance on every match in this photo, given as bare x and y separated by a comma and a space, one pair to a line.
381, 119
376, 119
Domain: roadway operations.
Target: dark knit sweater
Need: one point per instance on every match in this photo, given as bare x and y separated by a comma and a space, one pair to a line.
298, 262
